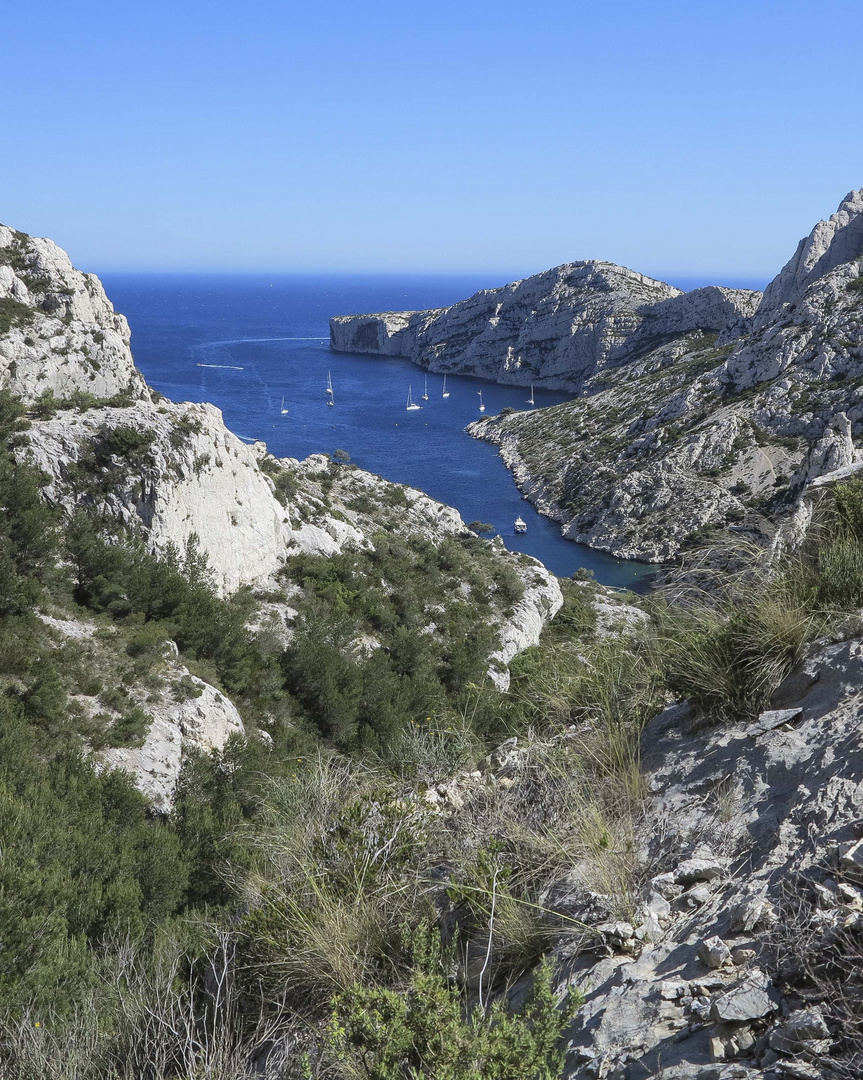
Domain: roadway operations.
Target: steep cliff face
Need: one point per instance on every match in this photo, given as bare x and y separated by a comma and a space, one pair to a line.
554, 329
58, 330
708, 429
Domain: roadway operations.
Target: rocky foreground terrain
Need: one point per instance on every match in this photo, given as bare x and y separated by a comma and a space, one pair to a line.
692, 411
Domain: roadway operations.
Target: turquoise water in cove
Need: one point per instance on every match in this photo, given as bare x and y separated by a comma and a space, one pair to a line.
245, 343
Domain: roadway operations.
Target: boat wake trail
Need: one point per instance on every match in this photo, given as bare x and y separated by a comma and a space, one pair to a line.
227, 367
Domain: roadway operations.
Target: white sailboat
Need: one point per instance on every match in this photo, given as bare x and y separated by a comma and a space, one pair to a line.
530, 400
445, 391
284, 410
426, 388
329, 384
481, 406
412, 406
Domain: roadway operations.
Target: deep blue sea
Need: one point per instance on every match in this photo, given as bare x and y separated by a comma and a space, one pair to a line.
245, 343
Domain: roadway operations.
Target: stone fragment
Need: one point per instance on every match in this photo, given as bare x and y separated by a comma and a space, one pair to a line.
801, 1070
824, 898
751, 914
773, 718
692, 870
696, 896
714, 952
748, 1001
666, 886
742, 957
744, 1039
717, 1048
849, 895
851, 856
801, 1031
617, 931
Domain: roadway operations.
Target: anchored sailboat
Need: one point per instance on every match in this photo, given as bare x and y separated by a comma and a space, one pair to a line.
530, 401
445, 391
412, 406
329, 384
426, 389
284, 410
481, 406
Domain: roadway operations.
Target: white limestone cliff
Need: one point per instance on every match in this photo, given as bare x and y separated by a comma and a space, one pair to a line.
707, 430
831, 243
63, 335
554, 329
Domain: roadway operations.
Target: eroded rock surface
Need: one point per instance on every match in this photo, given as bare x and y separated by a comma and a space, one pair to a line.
553, 329
758, 826
58, 330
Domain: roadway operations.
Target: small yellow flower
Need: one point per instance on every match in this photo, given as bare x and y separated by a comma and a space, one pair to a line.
37, 1024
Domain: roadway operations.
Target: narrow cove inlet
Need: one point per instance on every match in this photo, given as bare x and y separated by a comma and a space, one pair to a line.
257, 348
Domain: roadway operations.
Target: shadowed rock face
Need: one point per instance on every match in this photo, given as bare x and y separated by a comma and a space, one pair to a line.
555, 329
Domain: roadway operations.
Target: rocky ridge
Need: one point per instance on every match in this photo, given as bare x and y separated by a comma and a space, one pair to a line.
554, 329
694, 411
59, 334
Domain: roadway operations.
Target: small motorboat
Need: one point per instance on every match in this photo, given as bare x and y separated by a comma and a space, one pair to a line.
520, 526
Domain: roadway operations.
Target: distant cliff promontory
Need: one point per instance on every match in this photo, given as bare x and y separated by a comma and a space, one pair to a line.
693, 410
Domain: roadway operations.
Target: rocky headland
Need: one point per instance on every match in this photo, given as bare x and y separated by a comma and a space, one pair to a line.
692, 411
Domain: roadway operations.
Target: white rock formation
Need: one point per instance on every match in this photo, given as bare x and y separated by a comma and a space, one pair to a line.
195, 477
203, 719
64, 335
830, 244
704, 431
541, 602
758, 826
554, 329
204, 723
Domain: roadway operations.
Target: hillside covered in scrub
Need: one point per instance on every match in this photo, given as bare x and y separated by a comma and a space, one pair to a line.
301, 778
691, 411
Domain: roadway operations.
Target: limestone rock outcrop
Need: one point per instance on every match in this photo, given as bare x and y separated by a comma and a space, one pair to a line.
831, 243
203, 722
554, 329
58, 330
753, 840
186, 714
708, 430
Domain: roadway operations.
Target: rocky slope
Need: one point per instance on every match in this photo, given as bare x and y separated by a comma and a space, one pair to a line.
175, 472
694, 410
756, 863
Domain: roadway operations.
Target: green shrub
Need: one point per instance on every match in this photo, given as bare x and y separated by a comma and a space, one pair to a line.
424, 1030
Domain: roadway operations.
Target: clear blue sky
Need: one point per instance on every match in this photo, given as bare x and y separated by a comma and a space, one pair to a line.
678, 138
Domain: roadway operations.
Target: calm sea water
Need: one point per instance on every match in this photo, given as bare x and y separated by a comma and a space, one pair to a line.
246, 343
